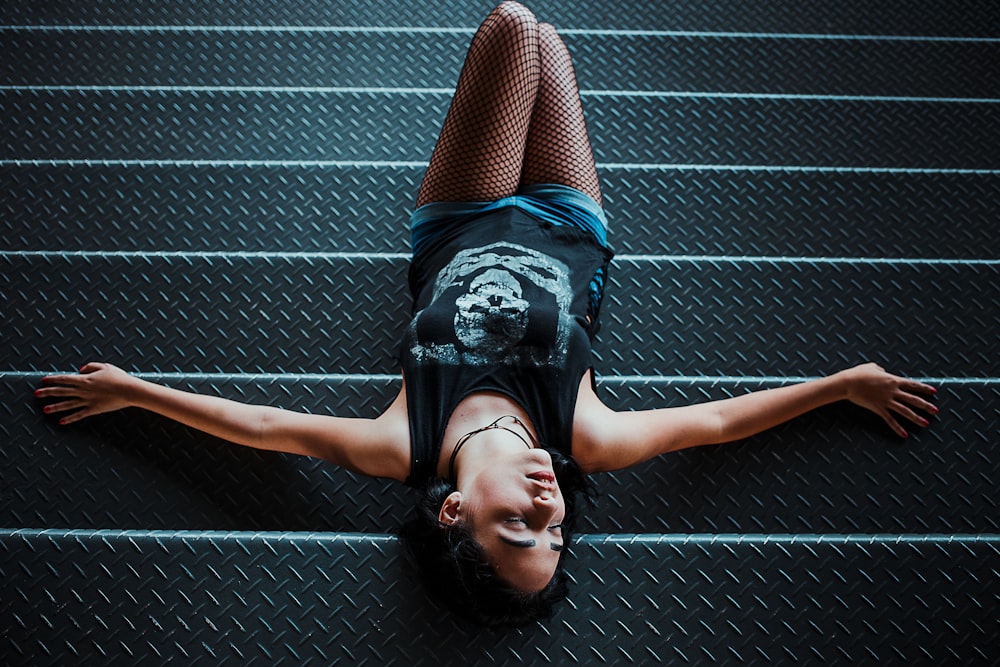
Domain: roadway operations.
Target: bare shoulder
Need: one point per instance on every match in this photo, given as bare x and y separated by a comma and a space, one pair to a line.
593, 427
605, 440
390, 440
377, 447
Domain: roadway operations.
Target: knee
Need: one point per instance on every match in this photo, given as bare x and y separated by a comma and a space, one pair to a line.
547, 35
551, 44
515, 9
547, 31
515, 17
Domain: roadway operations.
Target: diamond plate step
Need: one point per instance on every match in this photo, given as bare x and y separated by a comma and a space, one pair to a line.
292, 599
366, 209
963, 18
379, 126
346, 314
112, 597
645, 61
835, 471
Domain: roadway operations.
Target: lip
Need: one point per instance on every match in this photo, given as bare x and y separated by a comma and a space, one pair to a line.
543, 476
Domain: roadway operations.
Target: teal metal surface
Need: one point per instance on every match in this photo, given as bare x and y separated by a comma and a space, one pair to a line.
215, 195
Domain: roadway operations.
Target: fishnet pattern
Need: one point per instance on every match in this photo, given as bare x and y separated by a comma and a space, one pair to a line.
558, 147
516, 118
479, 153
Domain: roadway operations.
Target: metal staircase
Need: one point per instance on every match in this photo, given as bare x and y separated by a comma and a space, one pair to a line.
215, 196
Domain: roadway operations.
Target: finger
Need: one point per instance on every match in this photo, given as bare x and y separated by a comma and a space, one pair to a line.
60, 379
66, 380
74, 417
62, 406
919, 403
917, 387
89, 367
893, 424
57, 392
906, 413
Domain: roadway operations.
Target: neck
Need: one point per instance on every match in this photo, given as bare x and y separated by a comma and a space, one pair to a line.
475, 412
481, 451
508, 423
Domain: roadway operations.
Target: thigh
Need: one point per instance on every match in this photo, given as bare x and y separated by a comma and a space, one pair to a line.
479, 154
558, 147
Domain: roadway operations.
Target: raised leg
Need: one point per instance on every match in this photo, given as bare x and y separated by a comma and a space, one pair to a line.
558, 148
480, 152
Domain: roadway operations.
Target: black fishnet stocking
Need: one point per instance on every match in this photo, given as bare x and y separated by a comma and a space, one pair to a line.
479, 153
558, 148
516, 118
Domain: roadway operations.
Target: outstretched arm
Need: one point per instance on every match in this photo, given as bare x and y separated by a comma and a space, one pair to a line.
372, 447
623, 439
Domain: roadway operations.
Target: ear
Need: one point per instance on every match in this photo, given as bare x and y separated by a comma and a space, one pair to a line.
449, 514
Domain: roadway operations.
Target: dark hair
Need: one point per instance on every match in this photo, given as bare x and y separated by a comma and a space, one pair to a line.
453, 566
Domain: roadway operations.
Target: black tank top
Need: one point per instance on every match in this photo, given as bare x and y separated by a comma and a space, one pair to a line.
500, 304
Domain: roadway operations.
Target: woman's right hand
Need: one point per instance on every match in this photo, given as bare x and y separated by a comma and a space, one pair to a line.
97, 389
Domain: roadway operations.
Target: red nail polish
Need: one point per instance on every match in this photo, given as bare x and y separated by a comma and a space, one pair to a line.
934, 410
38, 392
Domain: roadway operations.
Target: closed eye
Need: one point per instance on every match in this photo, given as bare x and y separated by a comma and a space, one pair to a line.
527, 544
523, 522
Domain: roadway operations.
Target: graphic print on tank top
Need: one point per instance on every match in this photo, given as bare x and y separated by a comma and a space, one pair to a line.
502, 304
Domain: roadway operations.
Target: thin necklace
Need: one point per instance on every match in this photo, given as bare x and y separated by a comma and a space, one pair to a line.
495, 425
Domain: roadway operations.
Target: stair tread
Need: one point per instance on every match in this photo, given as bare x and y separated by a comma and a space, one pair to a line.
659, 212
964, 18
698, 63
378, 126
346, 314
289, 599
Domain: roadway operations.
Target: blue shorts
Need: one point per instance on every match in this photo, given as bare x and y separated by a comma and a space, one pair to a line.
555, 204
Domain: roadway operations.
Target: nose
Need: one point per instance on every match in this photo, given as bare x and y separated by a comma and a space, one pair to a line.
545, 508
545, 502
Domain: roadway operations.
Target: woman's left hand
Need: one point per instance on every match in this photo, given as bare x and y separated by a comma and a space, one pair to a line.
889, 396
98, 388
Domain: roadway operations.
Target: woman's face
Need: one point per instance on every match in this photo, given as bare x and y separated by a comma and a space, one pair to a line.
514, 508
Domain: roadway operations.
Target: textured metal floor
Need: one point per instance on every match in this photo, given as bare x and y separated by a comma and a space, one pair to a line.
300, 599
187, 188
